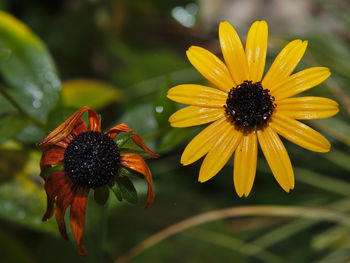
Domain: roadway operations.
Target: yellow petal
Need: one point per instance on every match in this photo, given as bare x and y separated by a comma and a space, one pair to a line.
284, 64
245, 164
198, 95
299, 133
192, 116
277, 157
301, 81
307, 108
211, 67
219, 153
201, 144
255, 49
233, 53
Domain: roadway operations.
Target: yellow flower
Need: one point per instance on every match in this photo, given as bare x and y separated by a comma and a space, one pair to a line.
245, 109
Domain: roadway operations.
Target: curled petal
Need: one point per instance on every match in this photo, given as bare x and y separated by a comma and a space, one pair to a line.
114, 131
299, 133
284, 64
65, 141
77, 217
219, 153
233, 52
135, 162
255, 49
64, 199
198, 95
308, 108
69, 124
277, 157
80, 127
94, 121
244, 167
211, 67
53, 184
192, 116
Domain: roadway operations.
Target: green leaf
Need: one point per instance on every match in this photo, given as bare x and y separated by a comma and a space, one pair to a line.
5, 106
127, 189
101, 194
31, 134
336, 127
342, 159
92, 93
141, 118
163, 107
5, 54
29, 71
23, 199
15, 251
12, 162
172, 139
122, 138
140, 64
116, 190
10, 126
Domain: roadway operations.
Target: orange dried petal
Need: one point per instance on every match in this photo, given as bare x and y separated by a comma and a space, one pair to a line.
135, 162
63, 130
77, 217
64, 199
52, 186
114, 131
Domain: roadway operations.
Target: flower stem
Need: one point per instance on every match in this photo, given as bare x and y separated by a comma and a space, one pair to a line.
95, 231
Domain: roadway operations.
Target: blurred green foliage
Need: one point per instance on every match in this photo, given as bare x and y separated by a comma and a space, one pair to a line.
120, 57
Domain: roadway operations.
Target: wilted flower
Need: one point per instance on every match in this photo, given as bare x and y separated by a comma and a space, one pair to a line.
76, 159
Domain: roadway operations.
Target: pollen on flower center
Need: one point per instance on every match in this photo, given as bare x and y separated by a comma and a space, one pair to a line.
249, 105
91, 159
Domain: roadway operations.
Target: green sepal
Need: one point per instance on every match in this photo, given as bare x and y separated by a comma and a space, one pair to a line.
123, 138
49, 170
127, 172
127, 189
116, 190
101, 195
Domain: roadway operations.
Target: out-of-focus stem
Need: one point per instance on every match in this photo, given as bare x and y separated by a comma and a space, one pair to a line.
19, 108
280, 211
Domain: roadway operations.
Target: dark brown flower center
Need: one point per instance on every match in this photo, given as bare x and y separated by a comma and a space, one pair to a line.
249, 105
91, 159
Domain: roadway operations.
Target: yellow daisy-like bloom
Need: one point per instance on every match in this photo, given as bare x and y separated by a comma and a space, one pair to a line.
246, 109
